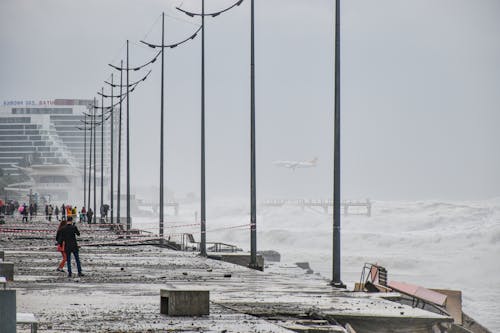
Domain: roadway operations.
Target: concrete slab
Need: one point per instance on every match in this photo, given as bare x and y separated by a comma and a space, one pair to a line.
184, 301
7, 270
8, 311
242, 259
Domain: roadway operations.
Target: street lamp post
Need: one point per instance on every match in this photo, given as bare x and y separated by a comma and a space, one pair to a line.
162, 105
95, 141
203, 245
85, 129
85, 165
121, 68
128, 149
119, 198
253, 182
102, 154
161, 125
112, 148
90, 157
336, 280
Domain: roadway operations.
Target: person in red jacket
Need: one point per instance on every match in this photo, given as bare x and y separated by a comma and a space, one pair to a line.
68, 236
60, 246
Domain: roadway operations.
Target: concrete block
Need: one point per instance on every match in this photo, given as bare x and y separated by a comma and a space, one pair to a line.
184, 302
241, 259
8, 311
7, 270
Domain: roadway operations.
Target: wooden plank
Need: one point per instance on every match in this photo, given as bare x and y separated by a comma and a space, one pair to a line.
419, 292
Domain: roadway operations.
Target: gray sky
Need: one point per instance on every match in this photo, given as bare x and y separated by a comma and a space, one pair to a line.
420, 93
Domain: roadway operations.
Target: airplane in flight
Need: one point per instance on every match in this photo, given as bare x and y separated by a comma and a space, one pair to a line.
297, 164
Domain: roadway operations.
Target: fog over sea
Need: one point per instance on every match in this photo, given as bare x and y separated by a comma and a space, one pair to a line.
436, 244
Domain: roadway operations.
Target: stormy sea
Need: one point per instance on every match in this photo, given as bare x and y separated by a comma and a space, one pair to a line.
435, 244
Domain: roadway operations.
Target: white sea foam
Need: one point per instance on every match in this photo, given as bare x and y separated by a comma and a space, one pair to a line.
442, 244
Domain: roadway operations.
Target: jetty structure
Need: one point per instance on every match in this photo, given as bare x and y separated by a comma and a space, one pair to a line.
349, 207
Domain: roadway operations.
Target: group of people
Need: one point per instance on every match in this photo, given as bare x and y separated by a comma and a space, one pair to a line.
68, 211
25, 210
8, 207
67, 245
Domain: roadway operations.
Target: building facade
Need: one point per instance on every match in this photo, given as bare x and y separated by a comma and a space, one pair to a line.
42, 143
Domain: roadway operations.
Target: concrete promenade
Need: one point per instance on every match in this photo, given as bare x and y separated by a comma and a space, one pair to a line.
121, 293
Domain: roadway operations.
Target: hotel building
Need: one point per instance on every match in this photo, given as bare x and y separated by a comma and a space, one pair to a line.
40, 143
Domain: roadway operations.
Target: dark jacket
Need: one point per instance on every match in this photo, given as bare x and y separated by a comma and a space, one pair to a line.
68, 235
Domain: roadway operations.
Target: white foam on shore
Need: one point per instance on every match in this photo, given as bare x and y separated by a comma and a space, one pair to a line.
452, 245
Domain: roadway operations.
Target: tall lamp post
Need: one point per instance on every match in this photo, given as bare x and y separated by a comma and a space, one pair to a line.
90, 156
93, 121
92, 149
120, 97
102, 154
253, 182
127, 69
163, 46
84, 129
203, 244
336, 280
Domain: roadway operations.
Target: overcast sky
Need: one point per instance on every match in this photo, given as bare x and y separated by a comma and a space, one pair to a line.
420, 90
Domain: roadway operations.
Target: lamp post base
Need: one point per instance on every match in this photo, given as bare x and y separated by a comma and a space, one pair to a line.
339, 284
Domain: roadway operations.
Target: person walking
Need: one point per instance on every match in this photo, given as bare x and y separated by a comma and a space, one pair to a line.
32, 211
60, 246
84, 215
90, 213
24, 212
57, 212
63, 212
68, 236
50, 211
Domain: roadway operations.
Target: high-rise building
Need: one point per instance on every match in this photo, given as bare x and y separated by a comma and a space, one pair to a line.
41, 144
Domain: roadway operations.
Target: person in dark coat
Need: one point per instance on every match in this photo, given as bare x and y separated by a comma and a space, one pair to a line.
63, 212
24, 212
90, 213
68, 236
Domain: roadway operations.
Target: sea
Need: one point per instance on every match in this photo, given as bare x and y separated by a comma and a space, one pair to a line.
435, 244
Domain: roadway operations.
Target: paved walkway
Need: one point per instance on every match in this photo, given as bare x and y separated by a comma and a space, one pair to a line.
121, 292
